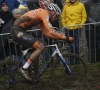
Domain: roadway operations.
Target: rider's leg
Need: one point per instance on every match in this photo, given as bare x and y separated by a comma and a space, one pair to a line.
32, 59
34, 55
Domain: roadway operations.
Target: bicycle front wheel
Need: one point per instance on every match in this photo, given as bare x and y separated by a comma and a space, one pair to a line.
62, 80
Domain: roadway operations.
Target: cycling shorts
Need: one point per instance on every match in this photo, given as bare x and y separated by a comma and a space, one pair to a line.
20, 36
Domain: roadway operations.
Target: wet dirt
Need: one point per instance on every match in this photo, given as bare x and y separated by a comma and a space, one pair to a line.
92, 83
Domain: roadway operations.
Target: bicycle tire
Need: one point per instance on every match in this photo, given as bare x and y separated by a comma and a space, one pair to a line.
18, 85
69, 82
4, 73
7, 64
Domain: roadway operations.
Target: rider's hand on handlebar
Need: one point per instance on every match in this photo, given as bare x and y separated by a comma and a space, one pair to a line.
69, 39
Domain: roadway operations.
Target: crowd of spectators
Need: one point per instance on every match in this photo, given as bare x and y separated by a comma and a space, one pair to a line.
73, 12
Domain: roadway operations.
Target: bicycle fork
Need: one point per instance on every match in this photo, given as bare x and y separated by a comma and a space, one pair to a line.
67, 69
56, 51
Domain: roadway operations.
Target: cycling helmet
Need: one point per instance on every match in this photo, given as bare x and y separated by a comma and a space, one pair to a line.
54, 7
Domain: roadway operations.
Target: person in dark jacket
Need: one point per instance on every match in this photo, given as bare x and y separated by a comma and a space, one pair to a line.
93, 30
5, 38
11, 4
5, 15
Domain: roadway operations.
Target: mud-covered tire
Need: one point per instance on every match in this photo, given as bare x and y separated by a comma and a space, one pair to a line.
19, 80
63, 81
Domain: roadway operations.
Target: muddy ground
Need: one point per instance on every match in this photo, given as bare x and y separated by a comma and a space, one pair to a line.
93, 83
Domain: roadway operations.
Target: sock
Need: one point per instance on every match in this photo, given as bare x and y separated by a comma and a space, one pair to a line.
27, 64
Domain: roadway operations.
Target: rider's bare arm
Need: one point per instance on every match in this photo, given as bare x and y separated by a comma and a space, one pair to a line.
48, 30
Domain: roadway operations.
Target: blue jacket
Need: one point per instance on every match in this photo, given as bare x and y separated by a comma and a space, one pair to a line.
11, 3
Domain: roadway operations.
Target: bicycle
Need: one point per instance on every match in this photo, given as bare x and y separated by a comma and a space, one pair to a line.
73, 76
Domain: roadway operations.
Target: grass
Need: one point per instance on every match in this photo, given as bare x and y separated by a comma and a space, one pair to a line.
91, 67
59, 71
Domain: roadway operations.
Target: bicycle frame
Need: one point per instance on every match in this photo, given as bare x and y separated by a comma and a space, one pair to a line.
55, 51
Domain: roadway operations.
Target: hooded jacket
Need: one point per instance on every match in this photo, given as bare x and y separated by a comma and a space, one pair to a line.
5, 16
93, 11
11, 3
73, 14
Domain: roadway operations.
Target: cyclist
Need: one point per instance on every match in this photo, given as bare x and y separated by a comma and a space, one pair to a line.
31, 18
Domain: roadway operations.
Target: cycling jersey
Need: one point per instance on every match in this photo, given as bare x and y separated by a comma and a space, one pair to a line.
39, 17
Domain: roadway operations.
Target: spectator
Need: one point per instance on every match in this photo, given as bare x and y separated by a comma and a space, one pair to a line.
11, 4
93, 30
73, 13
5, 15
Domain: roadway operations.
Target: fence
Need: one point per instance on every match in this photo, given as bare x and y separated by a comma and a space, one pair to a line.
88, 45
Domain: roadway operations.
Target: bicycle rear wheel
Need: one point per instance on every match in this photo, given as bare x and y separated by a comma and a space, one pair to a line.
19, 82
5, 68
62, 80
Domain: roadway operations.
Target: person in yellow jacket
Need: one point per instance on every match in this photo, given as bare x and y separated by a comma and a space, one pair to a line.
73, 13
